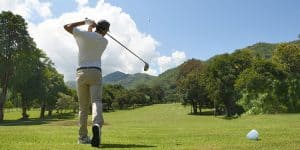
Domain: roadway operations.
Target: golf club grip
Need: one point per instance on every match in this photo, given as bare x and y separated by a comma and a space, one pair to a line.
125, 47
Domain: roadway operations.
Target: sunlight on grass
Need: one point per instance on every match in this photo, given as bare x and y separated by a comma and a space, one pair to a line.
164, 126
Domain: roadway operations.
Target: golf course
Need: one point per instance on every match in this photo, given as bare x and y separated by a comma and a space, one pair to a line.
149, 75
161, 126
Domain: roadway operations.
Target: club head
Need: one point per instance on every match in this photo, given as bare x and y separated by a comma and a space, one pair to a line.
146, 67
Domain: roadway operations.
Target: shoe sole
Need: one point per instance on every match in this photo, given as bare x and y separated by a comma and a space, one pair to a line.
96, 137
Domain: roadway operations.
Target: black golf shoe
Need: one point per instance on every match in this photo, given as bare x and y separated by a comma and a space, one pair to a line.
96, 135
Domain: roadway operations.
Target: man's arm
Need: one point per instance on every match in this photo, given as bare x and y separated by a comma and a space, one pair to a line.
69, 27
91, 26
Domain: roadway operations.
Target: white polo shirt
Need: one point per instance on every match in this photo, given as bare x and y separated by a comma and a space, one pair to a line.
91, 47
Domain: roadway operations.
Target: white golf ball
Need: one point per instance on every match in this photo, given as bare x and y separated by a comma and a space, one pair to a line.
252, 135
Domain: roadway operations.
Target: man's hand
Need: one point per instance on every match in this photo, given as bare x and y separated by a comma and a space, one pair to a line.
91, 26
69, 27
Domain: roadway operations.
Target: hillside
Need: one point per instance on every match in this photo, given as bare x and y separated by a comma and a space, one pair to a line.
126, 80
133, 80
114, 77
168, 78
265, 50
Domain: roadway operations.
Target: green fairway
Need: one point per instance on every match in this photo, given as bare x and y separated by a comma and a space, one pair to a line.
164, 126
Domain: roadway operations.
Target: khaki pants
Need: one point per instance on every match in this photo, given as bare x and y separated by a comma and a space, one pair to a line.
89, 91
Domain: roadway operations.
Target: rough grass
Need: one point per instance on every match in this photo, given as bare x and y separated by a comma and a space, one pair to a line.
165, 126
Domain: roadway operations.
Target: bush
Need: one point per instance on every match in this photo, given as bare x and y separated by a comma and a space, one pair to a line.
8, 104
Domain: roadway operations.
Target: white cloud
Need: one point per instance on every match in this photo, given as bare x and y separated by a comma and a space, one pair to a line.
174, 60
27, 8
61, 47
81, 3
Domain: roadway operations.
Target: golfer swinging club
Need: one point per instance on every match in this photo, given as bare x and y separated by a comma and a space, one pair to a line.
89, 76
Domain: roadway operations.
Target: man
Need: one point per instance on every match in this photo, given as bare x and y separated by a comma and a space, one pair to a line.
89, 76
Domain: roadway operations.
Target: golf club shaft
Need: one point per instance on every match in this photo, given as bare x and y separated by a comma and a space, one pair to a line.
126, 48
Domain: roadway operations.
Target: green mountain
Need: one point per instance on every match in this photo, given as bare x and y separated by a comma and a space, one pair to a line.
265, 50
127, 80
169, 78
71, 84
114, 77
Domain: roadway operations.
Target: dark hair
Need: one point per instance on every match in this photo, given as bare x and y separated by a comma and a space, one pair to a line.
102, 25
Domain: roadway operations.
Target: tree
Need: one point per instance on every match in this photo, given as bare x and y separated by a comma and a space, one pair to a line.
122, 98
113, 94
137, 98
43, 84
221, 73
51, 83
195, 91
287, 56
15, 43
75, 104
157, 93
184, 70
145, 93
262, 88
26, 80
64, 102
108, 96
220, 77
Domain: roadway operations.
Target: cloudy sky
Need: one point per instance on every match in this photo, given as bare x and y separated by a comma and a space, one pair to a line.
163, 32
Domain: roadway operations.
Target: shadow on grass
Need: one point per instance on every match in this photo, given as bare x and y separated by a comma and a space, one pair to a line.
125, 146
228, 118
38, 121
211, 113
203, 113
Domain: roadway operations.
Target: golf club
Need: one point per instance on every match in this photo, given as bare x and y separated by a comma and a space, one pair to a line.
146, 67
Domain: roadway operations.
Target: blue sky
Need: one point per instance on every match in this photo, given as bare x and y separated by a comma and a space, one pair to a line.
164, 32
203, 28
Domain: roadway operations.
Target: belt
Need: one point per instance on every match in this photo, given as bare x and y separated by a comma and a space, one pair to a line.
82, 68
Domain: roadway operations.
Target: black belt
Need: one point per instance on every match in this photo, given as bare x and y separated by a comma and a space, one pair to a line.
82, 68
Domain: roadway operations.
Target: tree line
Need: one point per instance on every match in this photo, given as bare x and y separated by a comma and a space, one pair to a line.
244, 81
116, 96
27, 76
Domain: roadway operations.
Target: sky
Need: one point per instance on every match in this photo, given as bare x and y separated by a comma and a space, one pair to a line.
163, 32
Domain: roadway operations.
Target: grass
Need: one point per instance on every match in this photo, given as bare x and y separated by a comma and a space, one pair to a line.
165, 126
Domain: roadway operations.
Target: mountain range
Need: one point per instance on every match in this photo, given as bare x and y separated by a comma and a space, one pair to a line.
168, 78
126, 80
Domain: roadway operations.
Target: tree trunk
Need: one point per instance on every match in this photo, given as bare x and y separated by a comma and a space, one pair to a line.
43, 109
194, 107
200, 107
228, 109
3, 95
1, 110
74, 110
24, 110
49, 113
24, 113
